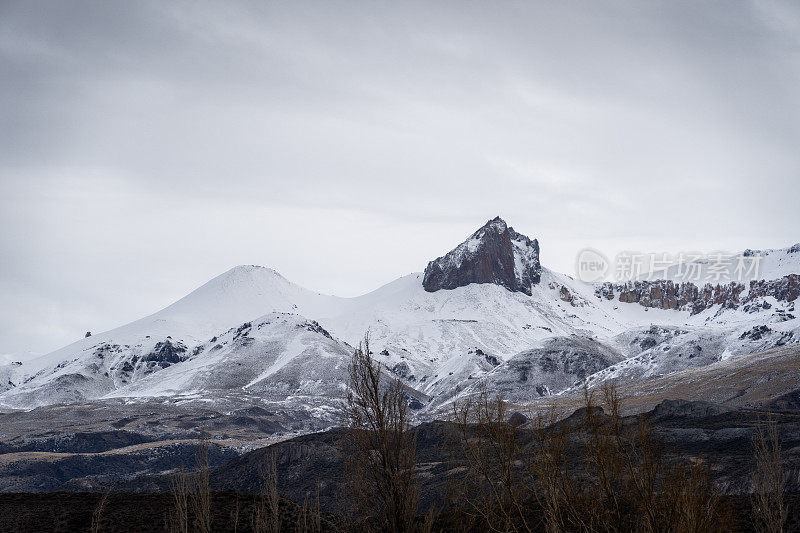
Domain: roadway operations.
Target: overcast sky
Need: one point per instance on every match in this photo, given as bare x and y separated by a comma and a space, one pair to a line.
146, 147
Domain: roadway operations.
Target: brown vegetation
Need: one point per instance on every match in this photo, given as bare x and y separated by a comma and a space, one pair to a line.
593, 471
590, 472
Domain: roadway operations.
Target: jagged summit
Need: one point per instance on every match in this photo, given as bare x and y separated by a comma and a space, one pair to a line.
493, 254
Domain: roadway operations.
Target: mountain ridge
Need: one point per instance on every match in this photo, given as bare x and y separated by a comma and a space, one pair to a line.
215, 341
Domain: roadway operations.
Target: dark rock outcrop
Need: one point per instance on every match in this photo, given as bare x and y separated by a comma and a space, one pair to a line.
785, 289
493, 254
669, 409
166, 352
666, 294
756, 333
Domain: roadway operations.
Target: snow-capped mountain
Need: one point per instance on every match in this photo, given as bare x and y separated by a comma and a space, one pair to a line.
486, 313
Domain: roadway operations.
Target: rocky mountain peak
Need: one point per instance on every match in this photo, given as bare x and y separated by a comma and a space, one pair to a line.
495, 253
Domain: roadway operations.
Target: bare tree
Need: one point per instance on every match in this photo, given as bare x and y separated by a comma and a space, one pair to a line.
492, 488
691, 501
178, 520
309, 518
266, 515
380, 466
595, 471
235, 512
554, 488
191, 495
97, 515
769, 479
200, 496
641, 488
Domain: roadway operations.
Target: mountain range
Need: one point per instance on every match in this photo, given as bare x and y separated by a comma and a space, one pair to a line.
485, 313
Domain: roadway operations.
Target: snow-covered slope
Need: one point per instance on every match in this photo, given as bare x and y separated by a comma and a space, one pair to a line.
742, 267
428, 335
94, 366
275, 356
240, 294
529, 333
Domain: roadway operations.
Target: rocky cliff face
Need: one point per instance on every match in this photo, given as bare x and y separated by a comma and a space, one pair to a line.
665, 294
493, 254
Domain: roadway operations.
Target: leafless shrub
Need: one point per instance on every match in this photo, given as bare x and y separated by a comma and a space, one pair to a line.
604, 461
769, 479
380, 458
301, 524
640, 487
